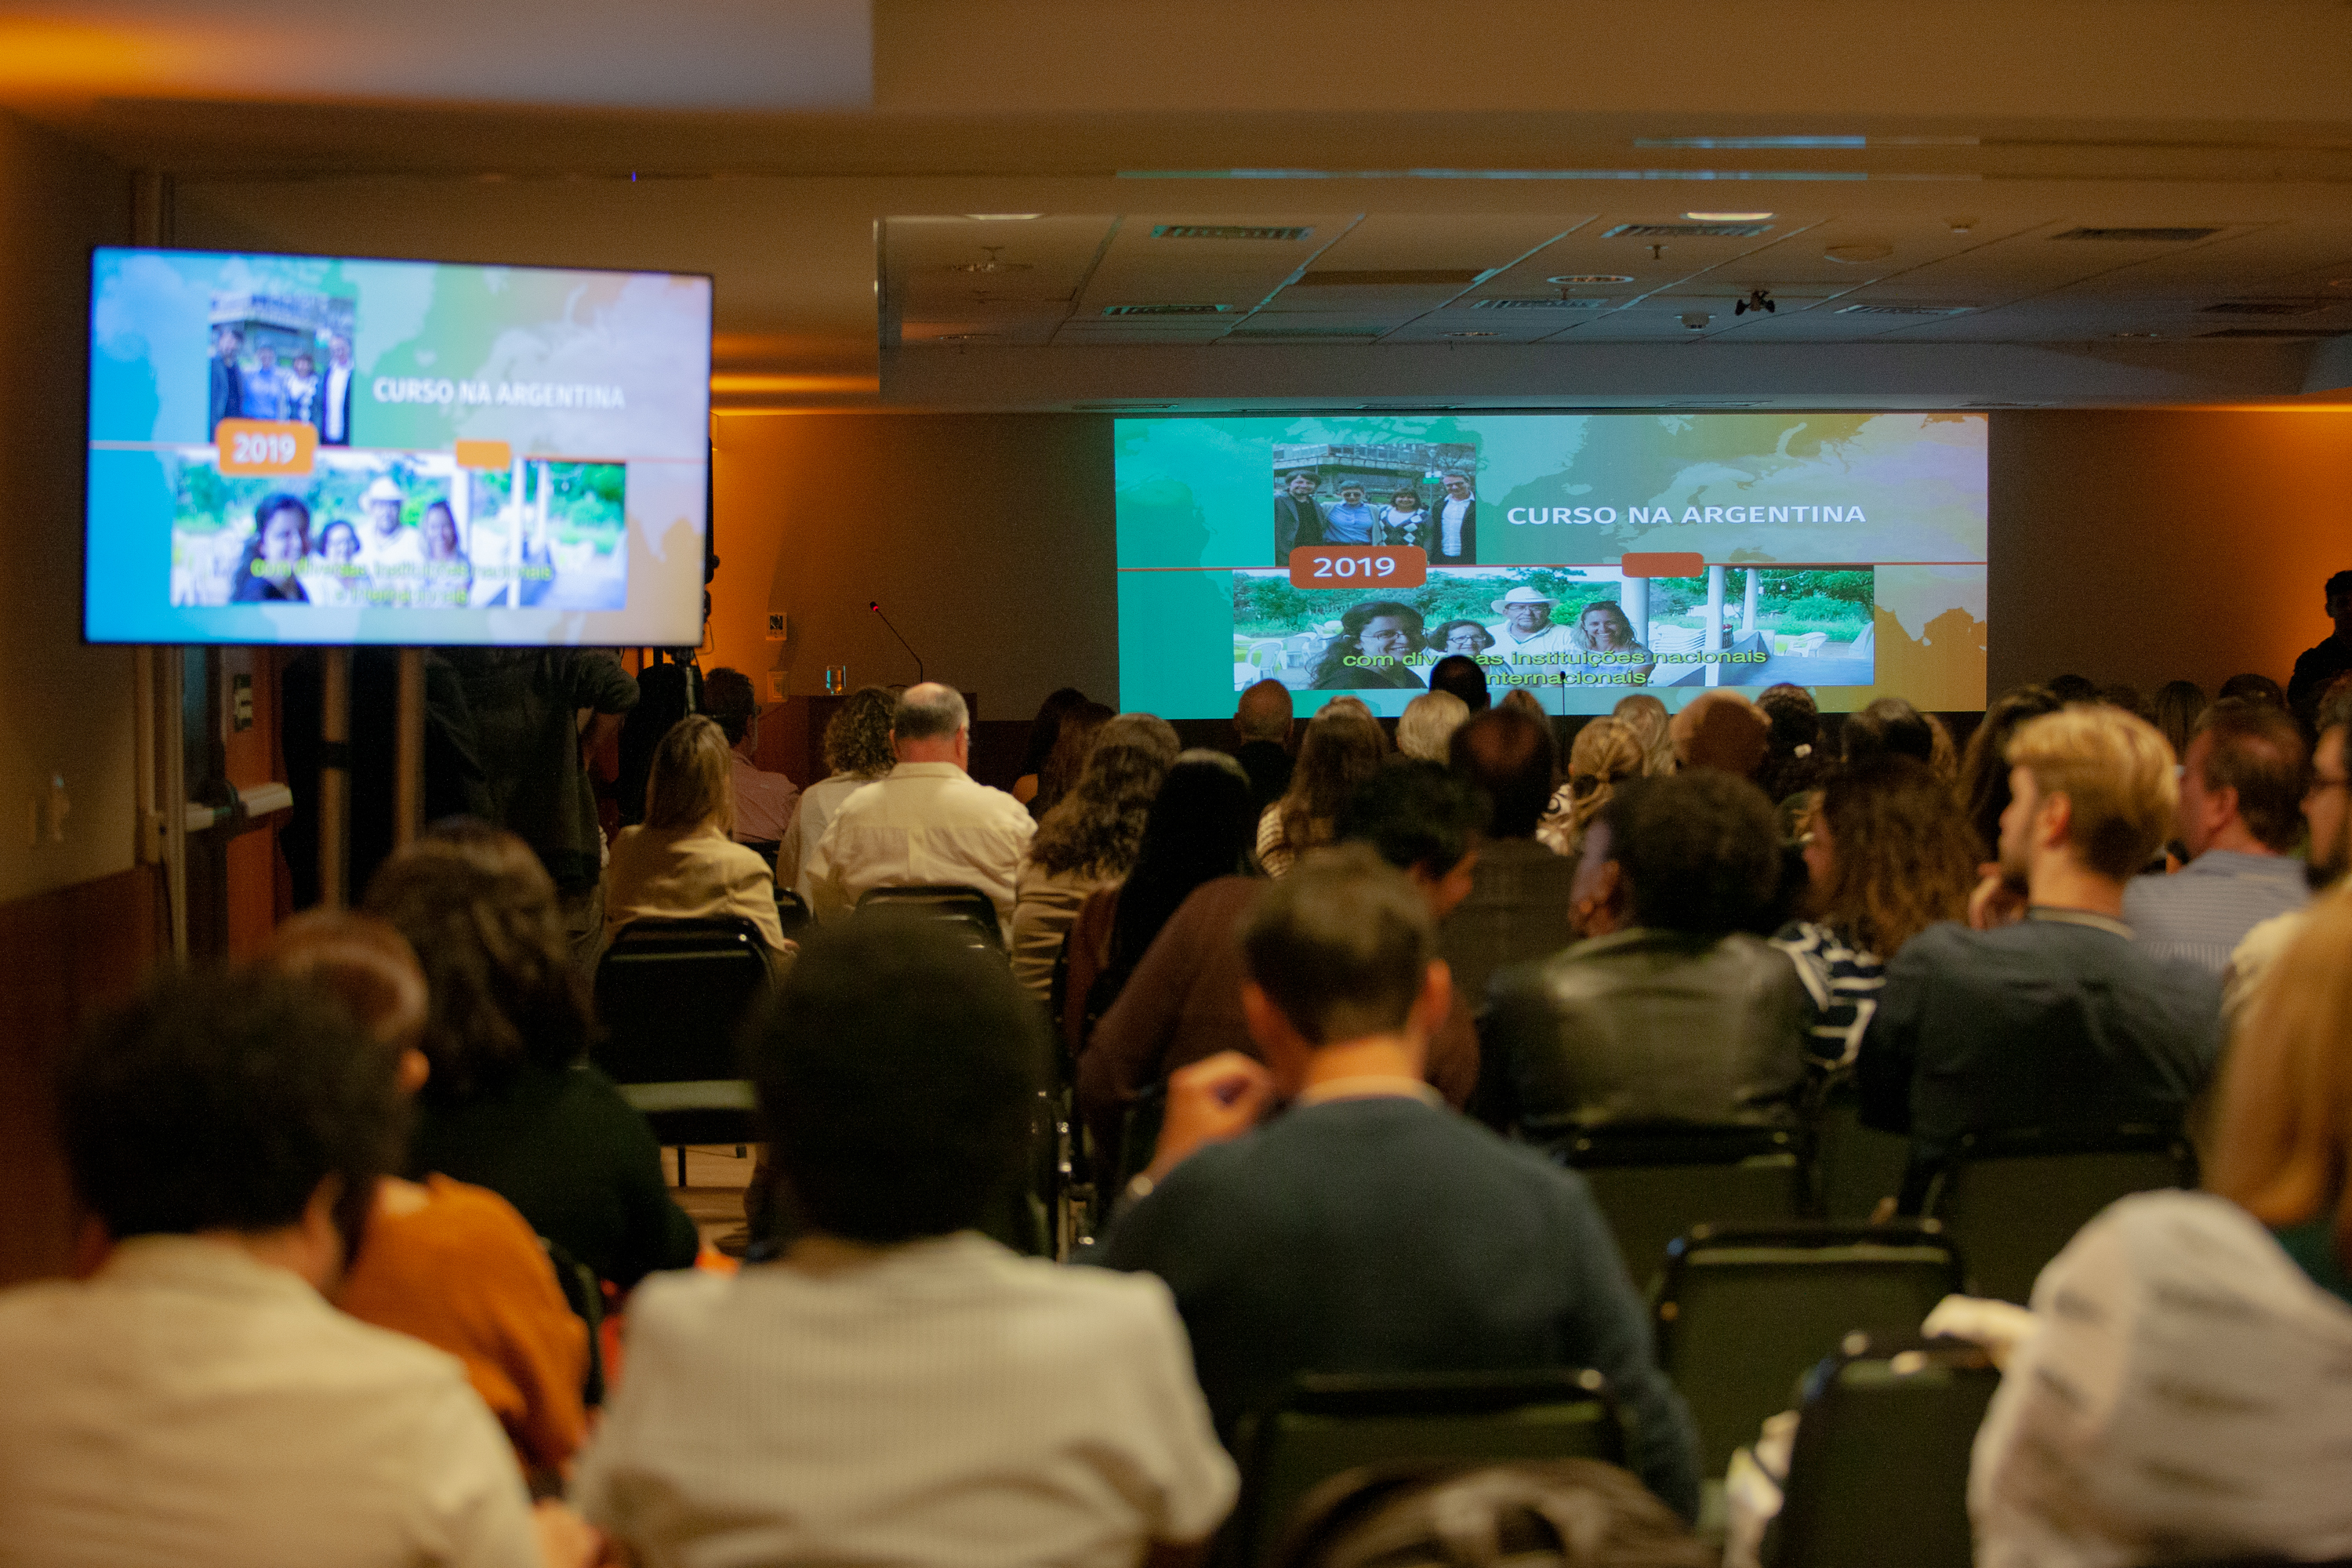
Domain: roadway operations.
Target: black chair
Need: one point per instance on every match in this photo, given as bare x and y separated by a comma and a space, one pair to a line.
1329, 1422
1138, 1134
1879, 1473
1853, 1166
941, 902
1656, 1180
2012, 1200
672, 996
792, 911
585, 1294
1743, 1313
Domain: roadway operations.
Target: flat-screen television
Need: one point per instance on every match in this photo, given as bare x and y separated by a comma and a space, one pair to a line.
338, 450
1581, 557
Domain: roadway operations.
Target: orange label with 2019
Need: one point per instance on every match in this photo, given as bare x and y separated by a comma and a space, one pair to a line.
1352, 566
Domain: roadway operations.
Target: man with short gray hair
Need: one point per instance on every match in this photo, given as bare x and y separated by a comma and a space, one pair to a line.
925, 821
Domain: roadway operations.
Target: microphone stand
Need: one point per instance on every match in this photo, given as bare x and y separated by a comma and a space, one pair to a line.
876, 605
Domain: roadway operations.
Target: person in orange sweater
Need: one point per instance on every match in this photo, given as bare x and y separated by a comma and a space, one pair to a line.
444, 1261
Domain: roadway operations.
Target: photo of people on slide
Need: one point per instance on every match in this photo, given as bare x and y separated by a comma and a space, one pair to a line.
1575, 626
398, 531
1394, 493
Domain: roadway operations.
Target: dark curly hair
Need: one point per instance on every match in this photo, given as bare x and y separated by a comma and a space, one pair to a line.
857, 736
1098, 826
480, 912
1332, 668
1701, 849
1902, 855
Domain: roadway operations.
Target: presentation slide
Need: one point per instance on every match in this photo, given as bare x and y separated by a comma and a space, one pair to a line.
1578, 556
307, 450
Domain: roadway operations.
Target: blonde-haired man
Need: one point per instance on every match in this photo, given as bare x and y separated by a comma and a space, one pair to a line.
2042, 1010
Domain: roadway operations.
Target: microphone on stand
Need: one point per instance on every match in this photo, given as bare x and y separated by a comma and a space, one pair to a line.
876, 605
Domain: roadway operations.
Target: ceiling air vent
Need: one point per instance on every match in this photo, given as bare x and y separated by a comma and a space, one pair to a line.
1553, 304
1688, 231
2273, 332
2264, 308
1224, 231
1401, 278
1165, 310
2140, 236
1903, 310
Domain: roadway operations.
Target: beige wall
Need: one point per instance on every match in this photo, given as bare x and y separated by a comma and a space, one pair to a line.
65, 710
2127, 546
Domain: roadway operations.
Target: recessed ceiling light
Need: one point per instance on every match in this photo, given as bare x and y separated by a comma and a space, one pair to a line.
1569, 278
1002, 217
1726, 217
1473, 334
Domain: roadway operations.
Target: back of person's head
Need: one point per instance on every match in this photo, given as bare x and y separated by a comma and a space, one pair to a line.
1699, 849
857, 736
2258, 750
1464, 676
1201, 826
2116, 772
1510, 758
2337, 585
1263, 712
896, 1068
2334, 709
2123, 694
1343, 747
2073, 689
693, 780
1983, 784
2284, 1136
929, 711
366, 963
1902, 856
1416, 815
2252, 688
1428, 724
1943, 756
1343, 945
727, 695
1066, 763
1606, 753
2175, 710
222, 1101
480, 914
1097, 826
1889, 727
1721, 730
1519, 699
1793, 762
1647, 716
1046, 726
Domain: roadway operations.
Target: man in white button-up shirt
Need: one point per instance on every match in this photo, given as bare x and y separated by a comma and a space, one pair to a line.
925, 821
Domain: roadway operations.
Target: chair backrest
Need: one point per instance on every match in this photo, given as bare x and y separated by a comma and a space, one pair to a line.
672, 996
792, 911
1854, 1165
942, 901
1329, 1422
1879, 1473
1654, 1182
1744, 1312
2014, 1199
585, 1296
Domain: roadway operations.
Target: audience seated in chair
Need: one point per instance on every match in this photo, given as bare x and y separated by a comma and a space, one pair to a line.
926, 822
1263, 723
1087, 840
2047, 1013
2327, 823
512, 1104
1606, 752
1518, 902
195, 1403
1183, 1002
764, 800
1723, 730
857, 752
681, 864
896, 1388
2182, 1395
446, 1262
2241, 784
1344, 746
1670, 1009
1365, 1229
1426, 727
1887, 854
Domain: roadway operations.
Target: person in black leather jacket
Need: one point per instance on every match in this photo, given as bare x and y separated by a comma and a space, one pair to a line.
1671, 1009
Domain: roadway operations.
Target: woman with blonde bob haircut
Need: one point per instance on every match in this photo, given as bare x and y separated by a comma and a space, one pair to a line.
1607, 752
2189, 1399
681, 864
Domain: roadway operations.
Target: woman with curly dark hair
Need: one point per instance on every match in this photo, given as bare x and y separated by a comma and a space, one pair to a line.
1089, 838
1344, 746
512, 1103
1377, 634
1888, 854
858, 752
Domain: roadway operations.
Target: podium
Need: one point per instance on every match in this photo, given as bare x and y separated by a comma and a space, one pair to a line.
792, 734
